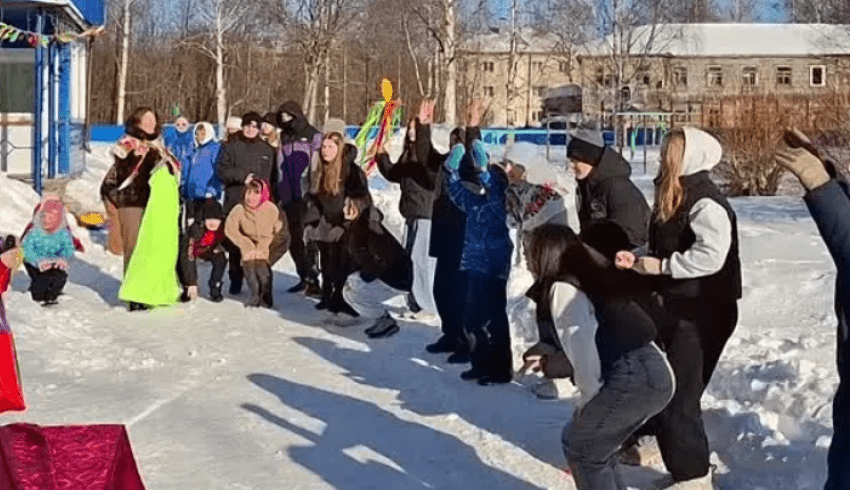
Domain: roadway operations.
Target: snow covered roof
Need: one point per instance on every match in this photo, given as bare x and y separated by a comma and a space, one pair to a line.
499, 41
735, 40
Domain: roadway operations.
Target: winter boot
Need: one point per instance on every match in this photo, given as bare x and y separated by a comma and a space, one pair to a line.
264, 280
184, 296
250, 270
325, 296
312, 288
391, 329
381, 323
298, 287
338, 304
215, 292
443, 345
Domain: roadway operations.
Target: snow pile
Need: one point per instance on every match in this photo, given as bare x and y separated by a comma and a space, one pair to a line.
83, 193
19, 199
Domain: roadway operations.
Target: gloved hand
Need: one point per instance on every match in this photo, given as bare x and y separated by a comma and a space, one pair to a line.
808, 168
485, 178
479, 154
455, 156
648, 266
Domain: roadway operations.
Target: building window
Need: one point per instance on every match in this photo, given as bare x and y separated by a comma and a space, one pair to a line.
750, 76
537, 66
817, 76
783, 75
680, 76
489, 91
643, 77
536, 116
715, 76
563, 67
17, 70
488, 66
538, 91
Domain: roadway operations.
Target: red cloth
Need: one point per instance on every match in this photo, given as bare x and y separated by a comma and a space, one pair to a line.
94, 457
5, 276
208, 241
11, 394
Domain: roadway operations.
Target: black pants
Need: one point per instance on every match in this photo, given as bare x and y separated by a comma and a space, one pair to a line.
693, 333
336, 266
450, 299
46, 285
234, 267
305, 263
188, 269
485, 324
409, 241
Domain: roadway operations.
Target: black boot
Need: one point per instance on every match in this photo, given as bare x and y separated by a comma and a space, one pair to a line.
298, 287
312, 288
184, 296
264, 280
444, 344
250, 271
215, 292
326, 292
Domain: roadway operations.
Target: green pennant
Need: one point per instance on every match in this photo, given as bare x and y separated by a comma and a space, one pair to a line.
14, 36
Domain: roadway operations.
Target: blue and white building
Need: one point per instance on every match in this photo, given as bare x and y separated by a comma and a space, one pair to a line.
44, 86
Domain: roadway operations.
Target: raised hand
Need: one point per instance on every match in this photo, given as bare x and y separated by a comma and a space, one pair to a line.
426, 111
625, 260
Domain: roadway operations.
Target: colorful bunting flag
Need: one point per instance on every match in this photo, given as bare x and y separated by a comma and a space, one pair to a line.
12, 34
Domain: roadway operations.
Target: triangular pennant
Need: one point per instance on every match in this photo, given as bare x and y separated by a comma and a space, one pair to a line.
14, 36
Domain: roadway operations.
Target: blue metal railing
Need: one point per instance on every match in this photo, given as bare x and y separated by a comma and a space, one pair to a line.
94, 11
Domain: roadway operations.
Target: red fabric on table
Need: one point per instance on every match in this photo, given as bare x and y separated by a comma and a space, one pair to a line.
90, 457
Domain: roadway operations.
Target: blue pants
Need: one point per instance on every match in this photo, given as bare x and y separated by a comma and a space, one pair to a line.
830, 209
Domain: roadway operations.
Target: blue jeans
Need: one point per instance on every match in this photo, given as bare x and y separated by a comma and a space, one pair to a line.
639, 384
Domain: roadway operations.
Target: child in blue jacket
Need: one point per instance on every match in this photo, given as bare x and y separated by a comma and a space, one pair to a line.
199, 180
479, 191
48, 246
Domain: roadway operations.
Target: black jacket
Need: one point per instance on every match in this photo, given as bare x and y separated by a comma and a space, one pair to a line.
608, 195
415, 173
448, 223
331, 208
376, 252
677, 236
238, 158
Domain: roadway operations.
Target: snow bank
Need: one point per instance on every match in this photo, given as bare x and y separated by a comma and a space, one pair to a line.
19, 199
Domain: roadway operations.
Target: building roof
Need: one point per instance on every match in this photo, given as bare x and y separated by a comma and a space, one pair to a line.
89, 12
728, 40
499, 41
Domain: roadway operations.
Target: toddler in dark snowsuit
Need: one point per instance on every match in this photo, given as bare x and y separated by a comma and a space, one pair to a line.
203, 240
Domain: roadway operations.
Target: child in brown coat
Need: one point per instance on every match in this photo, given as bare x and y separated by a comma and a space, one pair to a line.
258, 228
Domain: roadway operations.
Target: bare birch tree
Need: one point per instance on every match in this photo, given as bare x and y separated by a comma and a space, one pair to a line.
440, 19
123, 59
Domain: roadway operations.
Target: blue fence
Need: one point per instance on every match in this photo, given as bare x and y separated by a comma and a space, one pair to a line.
492, 136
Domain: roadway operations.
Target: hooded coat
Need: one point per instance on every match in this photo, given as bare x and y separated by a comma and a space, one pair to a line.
487, 245
298, 142
415, 173
607, 194
239, 157
199, 179
254, 229
699, 245
180, 144
40, 244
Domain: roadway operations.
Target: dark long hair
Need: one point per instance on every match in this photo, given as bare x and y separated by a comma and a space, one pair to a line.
131, 126
555, 253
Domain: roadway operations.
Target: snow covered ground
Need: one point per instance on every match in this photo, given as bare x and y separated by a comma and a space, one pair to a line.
219, 397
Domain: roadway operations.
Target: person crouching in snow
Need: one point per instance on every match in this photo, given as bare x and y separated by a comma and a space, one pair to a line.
479, 191
256, 227
623, 377
48, 246
199, 180
203, 240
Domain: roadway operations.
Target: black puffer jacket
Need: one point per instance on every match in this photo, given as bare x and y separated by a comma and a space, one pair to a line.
608, 195
238, 158
355, 187
415, 173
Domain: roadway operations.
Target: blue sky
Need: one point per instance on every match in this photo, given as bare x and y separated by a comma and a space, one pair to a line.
764, 11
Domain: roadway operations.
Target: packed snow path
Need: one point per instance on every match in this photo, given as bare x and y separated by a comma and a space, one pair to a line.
217, 396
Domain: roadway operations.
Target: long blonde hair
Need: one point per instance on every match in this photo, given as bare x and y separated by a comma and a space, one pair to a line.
669, 193
328, 178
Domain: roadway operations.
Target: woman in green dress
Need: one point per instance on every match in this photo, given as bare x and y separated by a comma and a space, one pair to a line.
150, 279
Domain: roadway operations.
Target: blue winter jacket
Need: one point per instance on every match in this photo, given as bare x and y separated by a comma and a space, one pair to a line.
179, 144
487, 246
199, 179
39, 245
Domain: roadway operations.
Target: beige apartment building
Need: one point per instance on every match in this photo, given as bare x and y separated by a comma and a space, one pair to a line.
541, 63
704, 74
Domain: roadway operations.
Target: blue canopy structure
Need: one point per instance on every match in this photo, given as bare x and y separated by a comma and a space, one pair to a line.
44, 53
